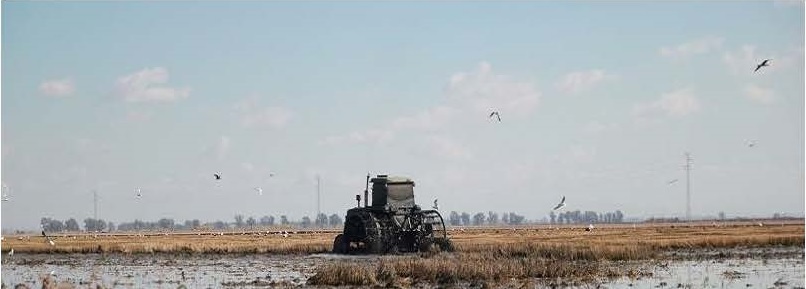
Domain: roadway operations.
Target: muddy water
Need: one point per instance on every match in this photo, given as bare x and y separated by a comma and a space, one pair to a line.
160, 271
728, 273
260, 271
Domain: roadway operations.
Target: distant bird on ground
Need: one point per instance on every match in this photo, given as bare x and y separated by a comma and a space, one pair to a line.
766, 62
751, 143
259, 190
560, 205
436, 206
50, 241
11, 253
217, 176
495, 113
589, 228
672, 182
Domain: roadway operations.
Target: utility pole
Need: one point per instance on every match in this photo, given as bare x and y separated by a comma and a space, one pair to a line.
95, 204
318, 197
688, 187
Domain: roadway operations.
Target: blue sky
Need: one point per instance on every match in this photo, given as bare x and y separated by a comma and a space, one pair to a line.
598, 102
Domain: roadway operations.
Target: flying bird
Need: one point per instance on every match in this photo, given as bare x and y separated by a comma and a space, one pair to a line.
560, 205
271, 174
751, 143
436, 207
766, 62
5, 193
259, 190
137, 192
672, 182
217, 176
495, 113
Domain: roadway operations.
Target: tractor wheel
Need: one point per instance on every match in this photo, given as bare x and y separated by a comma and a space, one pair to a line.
340, 245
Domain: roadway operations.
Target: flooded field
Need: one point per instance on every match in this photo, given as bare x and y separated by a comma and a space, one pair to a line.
784, 269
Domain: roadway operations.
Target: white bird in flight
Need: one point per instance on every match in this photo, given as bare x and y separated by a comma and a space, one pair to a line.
259, 190
5, 193
751, 143
560, 205
137, 192
672, 182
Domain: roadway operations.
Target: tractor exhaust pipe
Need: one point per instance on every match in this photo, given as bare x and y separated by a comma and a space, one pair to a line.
366, 191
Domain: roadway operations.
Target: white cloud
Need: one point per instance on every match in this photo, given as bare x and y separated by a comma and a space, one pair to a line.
677, 103
699, 46
759, 94
469, 95
272, 116
431, 119
147, 85
481, 91
57, 88
377, 136
448, 148
595, 127
579, 81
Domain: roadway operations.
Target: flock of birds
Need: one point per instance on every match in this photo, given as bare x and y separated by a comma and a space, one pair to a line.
259, 190
749, 143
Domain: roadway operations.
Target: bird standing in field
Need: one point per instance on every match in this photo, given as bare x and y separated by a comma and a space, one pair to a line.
560, 205
496, 114
766, 62
50, 241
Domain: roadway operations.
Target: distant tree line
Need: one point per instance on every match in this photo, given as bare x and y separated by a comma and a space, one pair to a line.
587, 217
239, 222
480, 219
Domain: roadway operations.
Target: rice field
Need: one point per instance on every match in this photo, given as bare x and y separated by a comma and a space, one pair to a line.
484, 257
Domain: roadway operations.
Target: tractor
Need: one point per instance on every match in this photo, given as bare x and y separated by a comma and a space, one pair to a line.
392, 224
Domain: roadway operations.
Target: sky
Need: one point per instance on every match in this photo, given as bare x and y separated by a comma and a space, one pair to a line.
598, 103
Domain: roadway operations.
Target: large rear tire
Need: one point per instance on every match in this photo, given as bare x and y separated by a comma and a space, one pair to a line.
340, 246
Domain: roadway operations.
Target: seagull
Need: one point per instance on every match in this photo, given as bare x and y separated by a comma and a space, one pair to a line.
751, 143
672, 182
560, 205
766, 62
50, 241
5, 193
137, 190
495, 113
217, 176
436, 207
259, 190
271, 175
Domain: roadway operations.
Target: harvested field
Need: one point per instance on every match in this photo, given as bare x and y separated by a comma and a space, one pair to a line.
489, 257
621, 242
